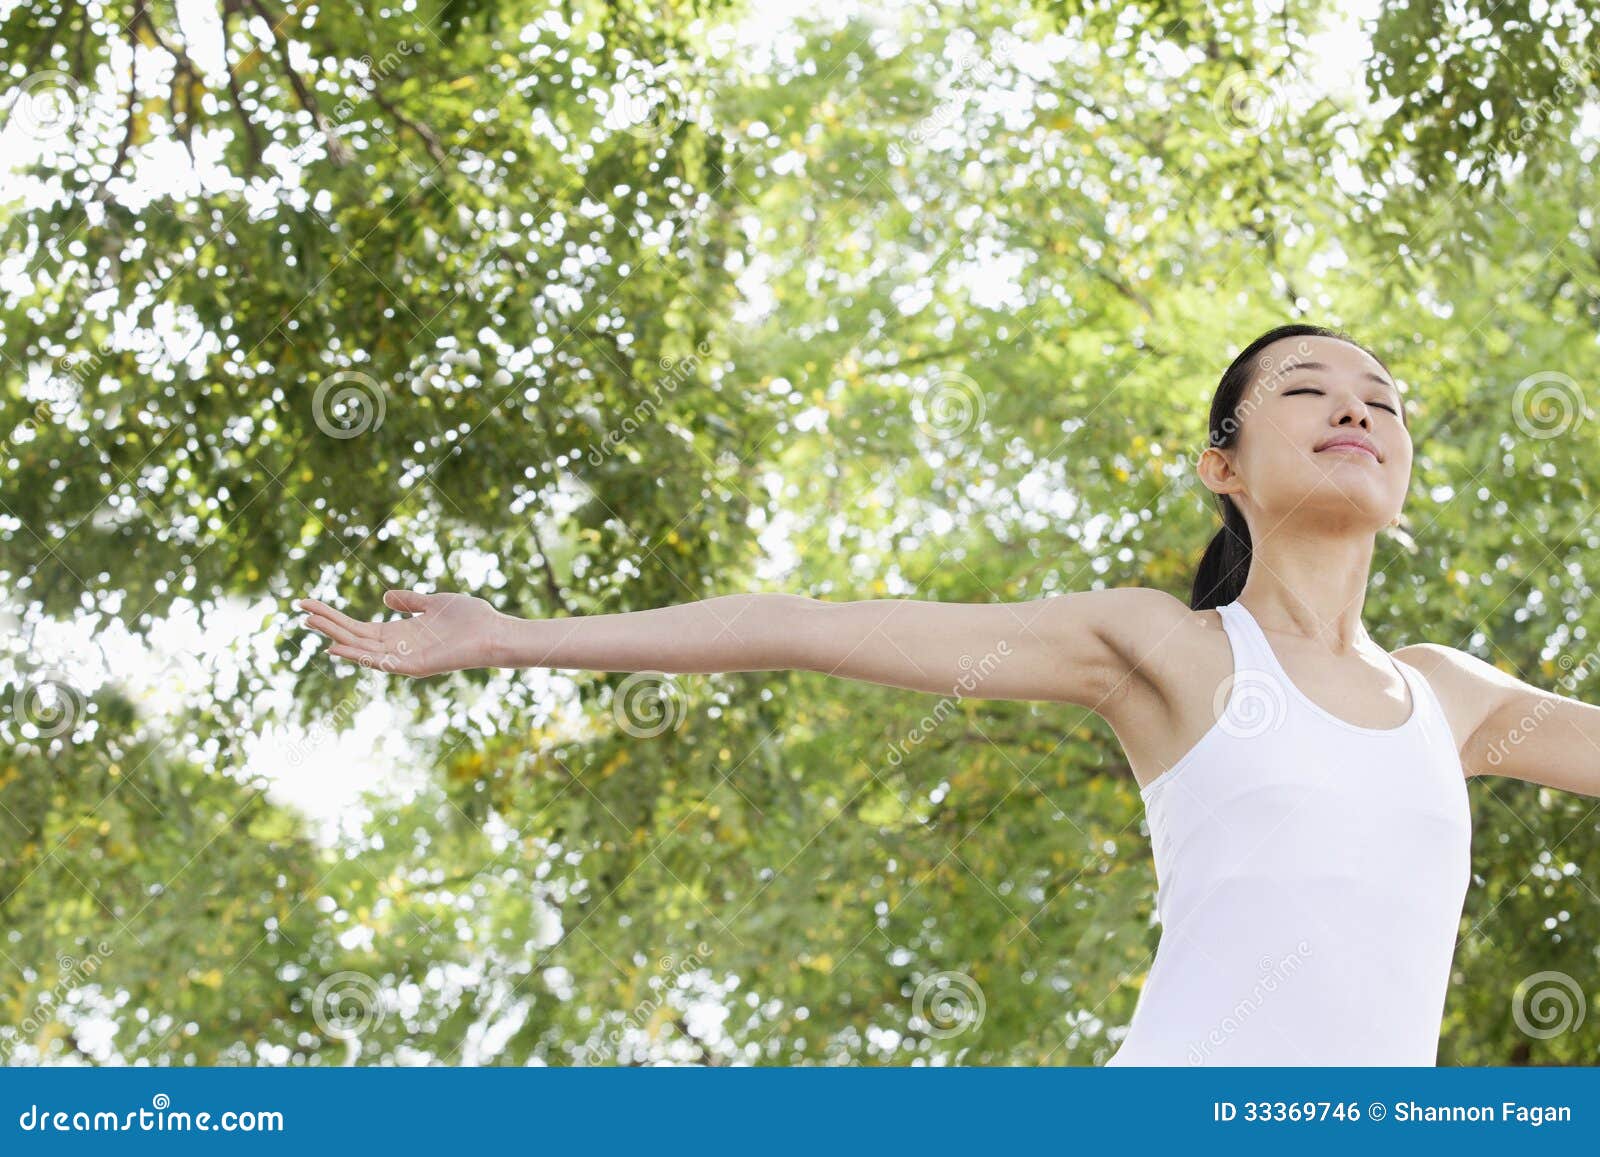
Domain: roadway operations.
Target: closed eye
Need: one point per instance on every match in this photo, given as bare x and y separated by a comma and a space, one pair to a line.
1314, 390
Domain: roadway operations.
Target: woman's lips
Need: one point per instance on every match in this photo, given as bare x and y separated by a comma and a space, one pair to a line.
1350, 448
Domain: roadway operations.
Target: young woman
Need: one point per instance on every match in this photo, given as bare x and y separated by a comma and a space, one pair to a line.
1305, 791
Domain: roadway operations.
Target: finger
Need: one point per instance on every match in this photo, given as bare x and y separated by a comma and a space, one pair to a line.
358, 654
339, 618
371, 660
413, 601
334, 631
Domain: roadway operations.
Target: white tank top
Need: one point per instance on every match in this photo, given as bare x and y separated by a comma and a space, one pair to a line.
1310, 880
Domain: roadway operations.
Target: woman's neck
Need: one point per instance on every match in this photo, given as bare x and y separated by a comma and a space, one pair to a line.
1312, 587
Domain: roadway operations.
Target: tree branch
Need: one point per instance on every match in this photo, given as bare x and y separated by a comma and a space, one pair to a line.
552, 587
337, 152
422, 131
253, 158
133, 91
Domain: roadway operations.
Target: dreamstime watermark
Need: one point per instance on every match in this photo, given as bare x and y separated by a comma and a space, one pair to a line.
645, 102
1274, 974
950, 405
1547, 404
1250, 703
321, 729
55, 401
345, 1006
1270, 374
1573, 675
974, 672
43, 414
1247, 103
974, 70
46, 705
643, 1012
1576, 73
45, 106
648, 703
377, 70
1553, 1000
677, 372
160, 1117
389, 664
348, 404
1273, 373
946, 1004
74, 973
79, 365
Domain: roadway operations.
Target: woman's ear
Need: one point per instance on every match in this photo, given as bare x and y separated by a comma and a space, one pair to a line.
1215, 471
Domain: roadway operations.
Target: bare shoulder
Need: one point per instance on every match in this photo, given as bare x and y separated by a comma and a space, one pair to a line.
1148, 646
1164, 662
1131, 621
1451, 668
1142, 622
1467, 687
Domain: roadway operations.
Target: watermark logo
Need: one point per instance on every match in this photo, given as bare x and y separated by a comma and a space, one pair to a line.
1250, 703
74, 972
348, 404
347, 1004
973, 673
1547, 405
45, 106
675, 371
1247, 103
674, 970
648, 703
1547, 1004
951, 404
648, 106
47, 705
1273, 975
947, 1004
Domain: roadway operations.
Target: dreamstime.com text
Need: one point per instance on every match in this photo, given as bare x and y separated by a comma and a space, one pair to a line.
158, 1118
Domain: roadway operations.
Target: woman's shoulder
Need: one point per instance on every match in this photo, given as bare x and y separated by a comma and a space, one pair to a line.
1141, 622
1148, 619
1158, 638
1171, 658
1466, 686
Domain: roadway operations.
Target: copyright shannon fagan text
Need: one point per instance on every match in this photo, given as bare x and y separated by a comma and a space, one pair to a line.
1405, 1112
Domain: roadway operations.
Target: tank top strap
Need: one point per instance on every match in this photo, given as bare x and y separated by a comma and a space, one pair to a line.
1251, 651
1429, 710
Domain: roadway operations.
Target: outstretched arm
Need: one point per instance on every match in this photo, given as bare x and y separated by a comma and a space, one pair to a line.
1056, 648
1514, 728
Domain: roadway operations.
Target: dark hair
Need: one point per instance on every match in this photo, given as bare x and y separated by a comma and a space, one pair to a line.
1226, 562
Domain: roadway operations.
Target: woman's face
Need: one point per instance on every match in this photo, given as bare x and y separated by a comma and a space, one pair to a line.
1309, 395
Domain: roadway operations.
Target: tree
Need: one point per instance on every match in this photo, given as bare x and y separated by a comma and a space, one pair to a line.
585, 312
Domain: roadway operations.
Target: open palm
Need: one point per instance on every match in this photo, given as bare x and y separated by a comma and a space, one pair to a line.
444, 632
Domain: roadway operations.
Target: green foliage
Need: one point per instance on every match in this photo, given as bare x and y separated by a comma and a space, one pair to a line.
447, 310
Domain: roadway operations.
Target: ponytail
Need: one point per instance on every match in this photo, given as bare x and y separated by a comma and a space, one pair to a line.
1226, 562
